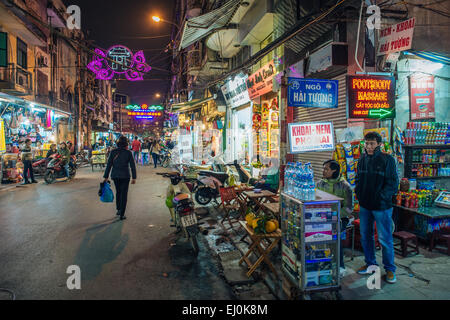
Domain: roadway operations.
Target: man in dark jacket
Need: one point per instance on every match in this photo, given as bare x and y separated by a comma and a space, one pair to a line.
120, 160
376, 183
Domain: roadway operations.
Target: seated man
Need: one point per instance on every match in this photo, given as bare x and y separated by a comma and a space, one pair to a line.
334, 183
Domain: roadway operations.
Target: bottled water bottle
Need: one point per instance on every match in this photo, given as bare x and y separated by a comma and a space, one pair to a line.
287, 177
309, 177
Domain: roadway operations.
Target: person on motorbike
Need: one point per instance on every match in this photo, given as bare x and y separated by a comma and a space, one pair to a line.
64, 152
52, 150
175, 187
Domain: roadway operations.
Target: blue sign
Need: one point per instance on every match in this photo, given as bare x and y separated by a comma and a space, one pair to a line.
314, 93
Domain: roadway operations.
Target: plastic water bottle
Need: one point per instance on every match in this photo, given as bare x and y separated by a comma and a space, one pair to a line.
287, 173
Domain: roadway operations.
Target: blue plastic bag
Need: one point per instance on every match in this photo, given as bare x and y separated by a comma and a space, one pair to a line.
107, 193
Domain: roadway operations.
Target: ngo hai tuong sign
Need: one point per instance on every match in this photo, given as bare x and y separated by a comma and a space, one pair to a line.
395, 38
370, 97
312, 93
235, 91
311, 136
260, 82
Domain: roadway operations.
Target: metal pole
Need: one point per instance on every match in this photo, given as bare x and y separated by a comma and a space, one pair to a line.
79, 101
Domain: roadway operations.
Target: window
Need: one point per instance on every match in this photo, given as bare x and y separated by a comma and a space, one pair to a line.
3, 49
21, 53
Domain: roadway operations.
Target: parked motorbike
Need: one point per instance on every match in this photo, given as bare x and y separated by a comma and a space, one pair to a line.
40, 166
55, 169
209, 183
165, 158
185, 217
82, 158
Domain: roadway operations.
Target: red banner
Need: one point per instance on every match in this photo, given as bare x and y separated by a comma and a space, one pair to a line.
421, 96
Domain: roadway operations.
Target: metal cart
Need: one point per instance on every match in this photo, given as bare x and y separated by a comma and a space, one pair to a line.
98, 158
310, 244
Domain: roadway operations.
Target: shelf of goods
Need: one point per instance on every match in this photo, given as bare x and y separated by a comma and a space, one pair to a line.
310, 244
430, 161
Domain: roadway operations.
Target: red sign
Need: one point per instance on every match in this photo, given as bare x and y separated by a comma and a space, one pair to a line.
260, 82
421, 96
367, 93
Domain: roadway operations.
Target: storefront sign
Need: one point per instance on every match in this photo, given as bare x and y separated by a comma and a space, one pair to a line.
2, 136
260, 82
397, 37
421, 96
311, 136
312, 93
235, 91
371, 97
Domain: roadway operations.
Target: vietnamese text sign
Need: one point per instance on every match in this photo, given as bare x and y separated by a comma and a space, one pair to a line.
260, 82
370, 97
312, 93
421, 91
395, 38
235, 91
311, 136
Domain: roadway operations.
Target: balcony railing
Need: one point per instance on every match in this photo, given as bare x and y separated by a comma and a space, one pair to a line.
16, 80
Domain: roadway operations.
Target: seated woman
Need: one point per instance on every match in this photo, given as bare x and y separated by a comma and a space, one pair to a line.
271, 180
52, 150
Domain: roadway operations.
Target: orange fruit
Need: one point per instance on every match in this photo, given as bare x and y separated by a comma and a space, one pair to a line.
270, 226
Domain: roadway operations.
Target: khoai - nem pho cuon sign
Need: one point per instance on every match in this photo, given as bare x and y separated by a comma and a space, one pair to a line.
370, 97
310, 136
312, 93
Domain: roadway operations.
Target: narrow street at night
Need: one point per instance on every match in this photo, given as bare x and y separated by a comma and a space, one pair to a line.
46, 228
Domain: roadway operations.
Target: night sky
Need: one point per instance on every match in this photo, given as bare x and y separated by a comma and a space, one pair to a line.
129, 23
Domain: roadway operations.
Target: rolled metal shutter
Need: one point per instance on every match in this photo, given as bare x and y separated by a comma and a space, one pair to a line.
339, 118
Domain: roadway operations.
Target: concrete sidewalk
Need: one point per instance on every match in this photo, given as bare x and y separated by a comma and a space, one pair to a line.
425, 276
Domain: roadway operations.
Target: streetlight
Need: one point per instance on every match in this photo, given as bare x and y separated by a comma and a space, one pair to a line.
159, 19
158, 95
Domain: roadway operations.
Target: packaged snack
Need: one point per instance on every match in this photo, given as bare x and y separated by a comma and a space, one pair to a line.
340, 151
343, 165
351, 165
348, 150
351, 178
355, 150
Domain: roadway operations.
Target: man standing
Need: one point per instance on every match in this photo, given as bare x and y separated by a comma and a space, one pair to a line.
136, 147
376, 183
27, 159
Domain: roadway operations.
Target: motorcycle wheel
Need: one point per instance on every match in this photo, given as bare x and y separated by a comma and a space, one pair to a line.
49, 177
166, 162
194, 243
203, 197
72, 172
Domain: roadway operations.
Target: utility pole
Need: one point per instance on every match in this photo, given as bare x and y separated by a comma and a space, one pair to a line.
79, 125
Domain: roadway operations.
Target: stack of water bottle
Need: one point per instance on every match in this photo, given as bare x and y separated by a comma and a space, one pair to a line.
299, 181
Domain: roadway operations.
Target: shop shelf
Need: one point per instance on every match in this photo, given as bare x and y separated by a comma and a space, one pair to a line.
419, 162
320, 242
443, 146
424, 178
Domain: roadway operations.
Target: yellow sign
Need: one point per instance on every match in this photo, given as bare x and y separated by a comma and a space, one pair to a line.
2, 136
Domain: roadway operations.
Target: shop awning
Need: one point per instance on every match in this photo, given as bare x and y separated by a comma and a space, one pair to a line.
431, 56
199, 27
191, 105
19, 101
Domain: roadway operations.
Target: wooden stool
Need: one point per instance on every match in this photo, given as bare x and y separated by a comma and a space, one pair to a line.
438, 236
405, 237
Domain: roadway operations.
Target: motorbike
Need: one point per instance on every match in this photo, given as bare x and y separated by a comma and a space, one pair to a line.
40, 166
55, 169
82, 158
165, 157
185, 217
209, 183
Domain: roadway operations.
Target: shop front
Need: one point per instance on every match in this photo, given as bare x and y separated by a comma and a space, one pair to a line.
20, 120
265, 115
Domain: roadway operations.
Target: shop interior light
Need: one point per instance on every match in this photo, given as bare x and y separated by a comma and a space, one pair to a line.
34, 109
426, 66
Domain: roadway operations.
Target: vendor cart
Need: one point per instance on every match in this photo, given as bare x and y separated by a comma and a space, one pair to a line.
99, 158
310, 244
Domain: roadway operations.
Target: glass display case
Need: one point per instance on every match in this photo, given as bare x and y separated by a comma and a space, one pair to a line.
310, 244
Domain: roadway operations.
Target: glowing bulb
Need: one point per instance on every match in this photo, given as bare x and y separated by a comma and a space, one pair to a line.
156, 18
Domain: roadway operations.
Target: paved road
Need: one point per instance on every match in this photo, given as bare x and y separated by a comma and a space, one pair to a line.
46, 228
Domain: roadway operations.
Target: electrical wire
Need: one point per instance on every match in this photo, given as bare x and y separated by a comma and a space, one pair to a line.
357, 37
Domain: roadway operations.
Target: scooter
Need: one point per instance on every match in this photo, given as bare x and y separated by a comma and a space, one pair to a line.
186, 218
209, 183
40, 166
55, 169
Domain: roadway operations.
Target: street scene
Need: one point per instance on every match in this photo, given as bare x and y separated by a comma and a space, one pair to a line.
224, 151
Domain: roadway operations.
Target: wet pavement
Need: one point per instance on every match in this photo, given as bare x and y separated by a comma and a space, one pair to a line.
46, 228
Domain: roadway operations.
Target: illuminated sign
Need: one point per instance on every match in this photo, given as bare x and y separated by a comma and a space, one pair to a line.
2, 136
312, 93
118, 59
370, 97
144, 106
311, 136
421, 96
144, 113
260, 82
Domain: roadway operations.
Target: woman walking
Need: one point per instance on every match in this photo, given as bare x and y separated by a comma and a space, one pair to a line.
155, 151
120, 160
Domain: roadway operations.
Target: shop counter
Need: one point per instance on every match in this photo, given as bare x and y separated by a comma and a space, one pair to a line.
422, 221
